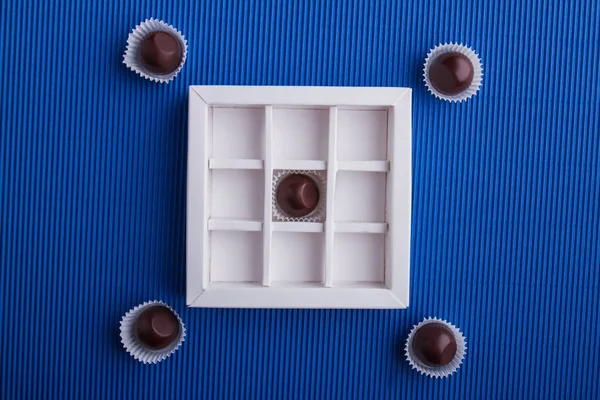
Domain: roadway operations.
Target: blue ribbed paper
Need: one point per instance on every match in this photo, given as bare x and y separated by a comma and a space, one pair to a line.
505, 219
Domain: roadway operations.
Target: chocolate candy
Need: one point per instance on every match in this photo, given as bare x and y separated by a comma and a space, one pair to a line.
297, 195
451, 73
161, 52
157, 327
434, 345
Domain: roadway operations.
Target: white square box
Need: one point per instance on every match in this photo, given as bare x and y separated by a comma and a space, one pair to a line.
358, 257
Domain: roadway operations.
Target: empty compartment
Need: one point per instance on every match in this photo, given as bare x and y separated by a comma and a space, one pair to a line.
360, 197
297, 257
300, 134
236, 256
358, 258
237, 194
238, 133
362, 135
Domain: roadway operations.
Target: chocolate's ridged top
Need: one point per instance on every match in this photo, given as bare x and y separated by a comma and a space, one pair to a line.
434, 345
161, 52
157, 327
297, 195
451, 73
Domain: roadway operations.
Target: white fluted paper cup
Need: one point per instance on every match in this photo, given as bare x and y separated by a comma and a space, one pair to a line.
318, 214
132, 57
441, 371
470, 54
134, 346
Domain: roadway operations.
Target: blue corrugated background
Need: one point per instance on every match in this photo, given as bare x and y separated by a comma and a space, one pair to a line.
505, 219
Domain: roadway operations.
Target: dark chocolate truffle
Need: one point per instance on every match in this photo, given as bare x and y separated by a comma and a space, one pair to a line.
157, 327
297, 195
161, 52
434, 345
451, 73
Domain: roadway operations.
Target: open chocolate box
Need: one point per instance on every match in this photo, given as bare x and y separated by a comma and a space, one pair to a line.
351, 252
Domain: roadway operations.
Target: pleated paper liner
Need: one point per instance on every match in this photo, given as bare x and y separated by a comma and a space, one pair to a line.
318, 215
442, 49
135, 347
132, 56
436, 371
